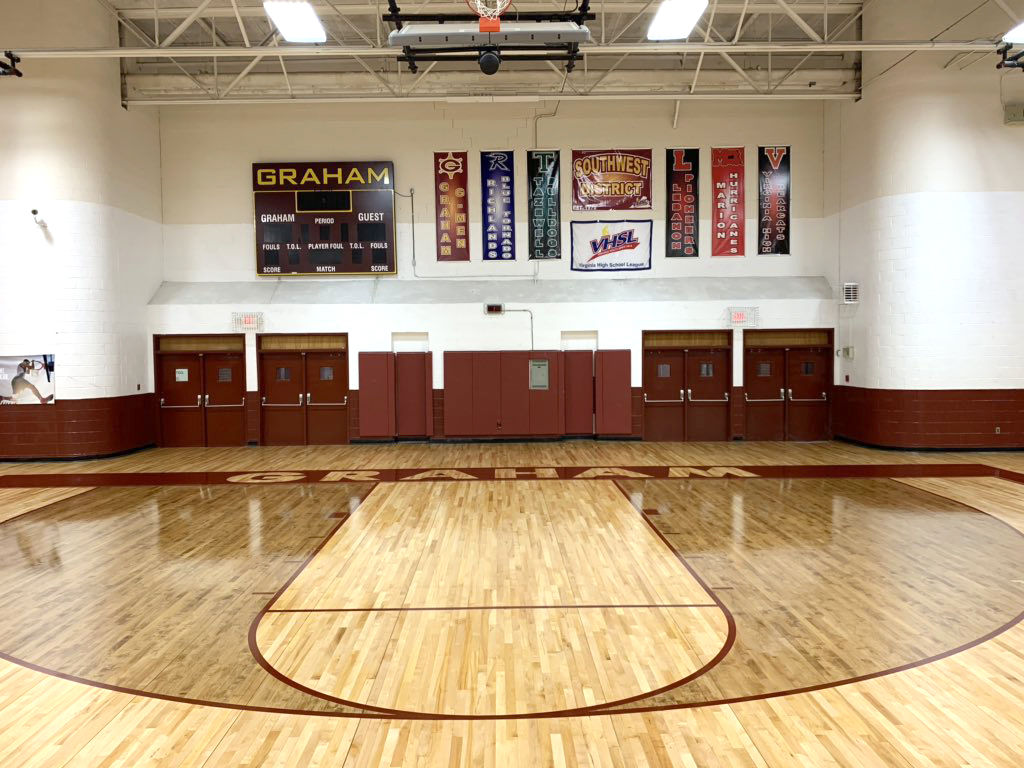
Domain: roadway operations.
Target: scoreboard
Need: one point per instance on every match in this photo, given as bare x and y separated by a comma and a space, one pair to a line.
324, 218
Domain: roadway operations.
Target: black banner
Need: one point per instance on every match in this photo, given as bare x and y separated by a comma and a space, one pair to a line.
774, 184
682, 220
545, 208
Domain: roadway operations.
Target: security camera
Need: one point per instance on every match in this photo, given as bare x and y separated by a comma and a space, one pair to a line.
35, 217
490, 60
35, 211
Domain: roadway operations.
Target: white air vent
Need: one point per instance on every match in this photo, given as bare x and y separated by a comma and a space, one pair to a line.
851, 293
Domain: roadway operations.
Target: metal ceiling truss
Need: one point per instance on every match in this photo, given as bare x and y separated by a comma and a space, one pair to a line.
227, 51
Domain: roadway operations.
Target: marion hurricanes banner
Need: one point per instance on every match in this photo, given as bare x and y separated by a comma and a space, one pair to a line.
497, 171
728, 223
774, 185
451, 182
682, 225
611, 179
26, 380
542, 167
611, 246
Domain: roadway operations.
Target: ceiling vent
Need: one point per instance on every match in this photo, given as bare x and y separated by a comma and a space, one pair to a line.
851, 293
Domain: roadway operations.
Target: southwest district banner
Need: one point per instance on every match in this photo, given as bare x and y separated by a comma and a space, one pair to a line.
728, 224
682, 224
497, 171
774, 185
545, 209
611, 179
611, 246
451, 183
26, 380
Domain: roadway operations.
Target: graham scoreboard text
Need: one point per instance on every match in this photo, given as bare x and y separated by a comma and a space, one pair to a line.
324, 218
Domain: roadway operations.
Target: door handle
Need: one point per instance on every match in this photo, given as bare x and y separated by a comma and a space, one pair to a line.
189, 407
782, 398
689, 394
822, 399
309, 398
264, 403
206, 399
300, 399
664, 401
309, 401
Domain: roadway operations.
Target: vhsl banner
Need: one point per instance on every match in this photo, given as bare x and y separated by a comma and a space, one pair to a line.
497, 171
611, 246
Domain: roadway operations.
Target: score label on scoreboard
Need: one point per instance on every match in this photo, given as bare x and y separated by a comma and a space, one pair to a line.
324, 218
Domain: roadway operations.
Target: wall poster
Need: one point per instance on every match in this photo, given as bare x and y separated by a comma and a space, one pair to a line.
728, 186
451, 186
611, 246
611, 179
28, 380
497, 186
545, 205
682, 220
774, 188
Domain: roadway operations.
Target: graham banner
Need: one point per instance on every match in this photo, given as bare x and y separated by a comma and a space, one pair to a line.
728, 223
611, 246
26, 380
774, 185
542, 170
682, 222
451, 183
497, 171
611, 179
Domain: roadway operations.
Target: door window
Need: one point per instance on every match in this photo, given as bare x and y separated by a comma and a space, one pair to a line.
764, 369
326, 373
664, 371
283, 374
807, 368
224, 375
707, 370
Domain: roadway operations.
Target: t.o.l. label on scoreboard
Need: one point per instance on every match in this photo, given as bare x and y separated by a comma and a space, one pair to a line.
325, 218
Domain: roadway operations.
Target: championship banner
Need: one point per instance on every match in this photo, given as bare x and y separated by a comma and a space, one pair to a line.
611, 246
26, 380
545, 209
774, 185
682, 222
611, 179
497, 171
451, 185
728, 218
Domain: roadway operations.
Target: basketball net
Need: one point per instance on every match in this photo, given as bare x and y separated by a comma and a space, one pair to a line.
489, 12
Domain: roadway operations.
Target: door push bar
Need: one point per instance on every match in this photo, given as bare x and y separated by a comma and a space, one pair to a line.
689, 394
682, 399
309, 400
782, 398
199, 403
822, 399
229, 405
263, 401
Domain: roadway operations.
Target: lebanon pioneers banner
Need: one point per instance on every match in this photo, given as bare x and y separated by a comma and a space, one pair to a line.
728, 223
682, 224
497, 174
774, 186
545, 209
611, 179
611, 246
451, 185
27, 380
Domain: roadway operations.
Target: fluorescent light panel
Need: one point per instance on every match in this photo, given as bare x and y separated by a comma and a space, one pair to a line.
296, 21
675, 19
1015, 35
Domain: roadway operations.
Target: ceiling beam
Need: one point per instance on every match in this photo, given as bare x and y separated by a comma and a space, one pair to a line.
178, 30
799, 20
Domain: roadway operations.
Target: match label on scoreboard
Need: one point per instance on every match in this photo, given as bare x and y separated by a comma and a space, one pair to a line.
328, 218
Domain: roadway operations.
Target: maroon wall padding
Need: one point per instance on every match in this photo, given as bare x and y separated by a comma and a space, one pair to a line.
414, 406
737, 414
486, 395
950, 418
252, 416
458, 394
547, 406
514, 419
578, 376
77, 428
376, 395
613, 392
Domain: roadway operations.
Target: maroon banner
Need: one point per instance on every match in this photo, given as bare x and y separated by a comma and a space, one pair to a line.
728, 231
451, 188
611, 179
682, 224
774, 184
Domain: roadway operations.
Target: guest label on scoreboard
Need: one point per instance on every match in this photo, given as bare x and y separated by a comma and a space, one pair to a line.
326, 218
542, 175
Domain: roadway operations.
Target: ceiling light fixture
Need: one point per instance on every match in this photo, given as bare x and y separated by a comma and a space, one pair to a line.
676, 19
1015, 35
296, 21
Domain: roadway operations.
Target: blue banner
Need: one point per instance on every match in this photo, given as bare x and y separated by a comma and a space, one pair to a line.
497, 174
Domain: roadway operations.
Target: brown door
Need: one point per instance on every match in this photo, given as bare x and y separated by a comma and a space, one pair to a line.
764, 382
808, 385
326, 398
224, 398
664, 392
181, 400
282, 398
708, 381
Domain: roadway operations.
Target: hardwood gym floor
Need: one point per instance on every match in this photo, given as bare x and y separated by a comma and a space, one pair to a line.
566, 604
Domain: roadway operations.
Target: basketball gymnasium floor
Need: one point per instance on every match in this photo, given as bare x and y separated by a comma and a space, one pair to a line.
564, 604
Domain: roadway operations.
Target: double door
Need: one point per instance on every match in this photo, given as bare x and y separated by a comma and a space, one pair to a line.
304, 398
787, 393
202, 399
686, 394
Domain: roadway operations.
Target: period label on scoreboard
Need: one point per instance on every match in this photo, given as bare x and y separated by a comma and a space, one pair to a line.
451, 190
325, 218
728, 187
774, 185
611, 179
497, 175
545, 209
682, 220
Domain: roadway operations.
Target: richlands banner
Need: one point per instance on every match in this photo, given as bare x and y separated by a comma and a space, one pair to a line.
497, 171
26, 380
611, 246
774, 185
611, 179
542, 172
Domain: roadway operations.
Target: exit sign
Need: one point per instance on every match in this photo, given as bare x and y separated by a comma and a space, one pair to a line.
743, 317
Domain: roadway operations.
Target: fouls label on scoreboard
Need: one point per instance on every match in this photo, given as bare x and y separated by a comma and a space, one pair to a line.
324, 218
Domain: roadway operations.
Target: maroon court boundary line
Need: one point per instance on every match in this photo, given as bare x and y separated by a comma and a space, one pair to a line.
444, 608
